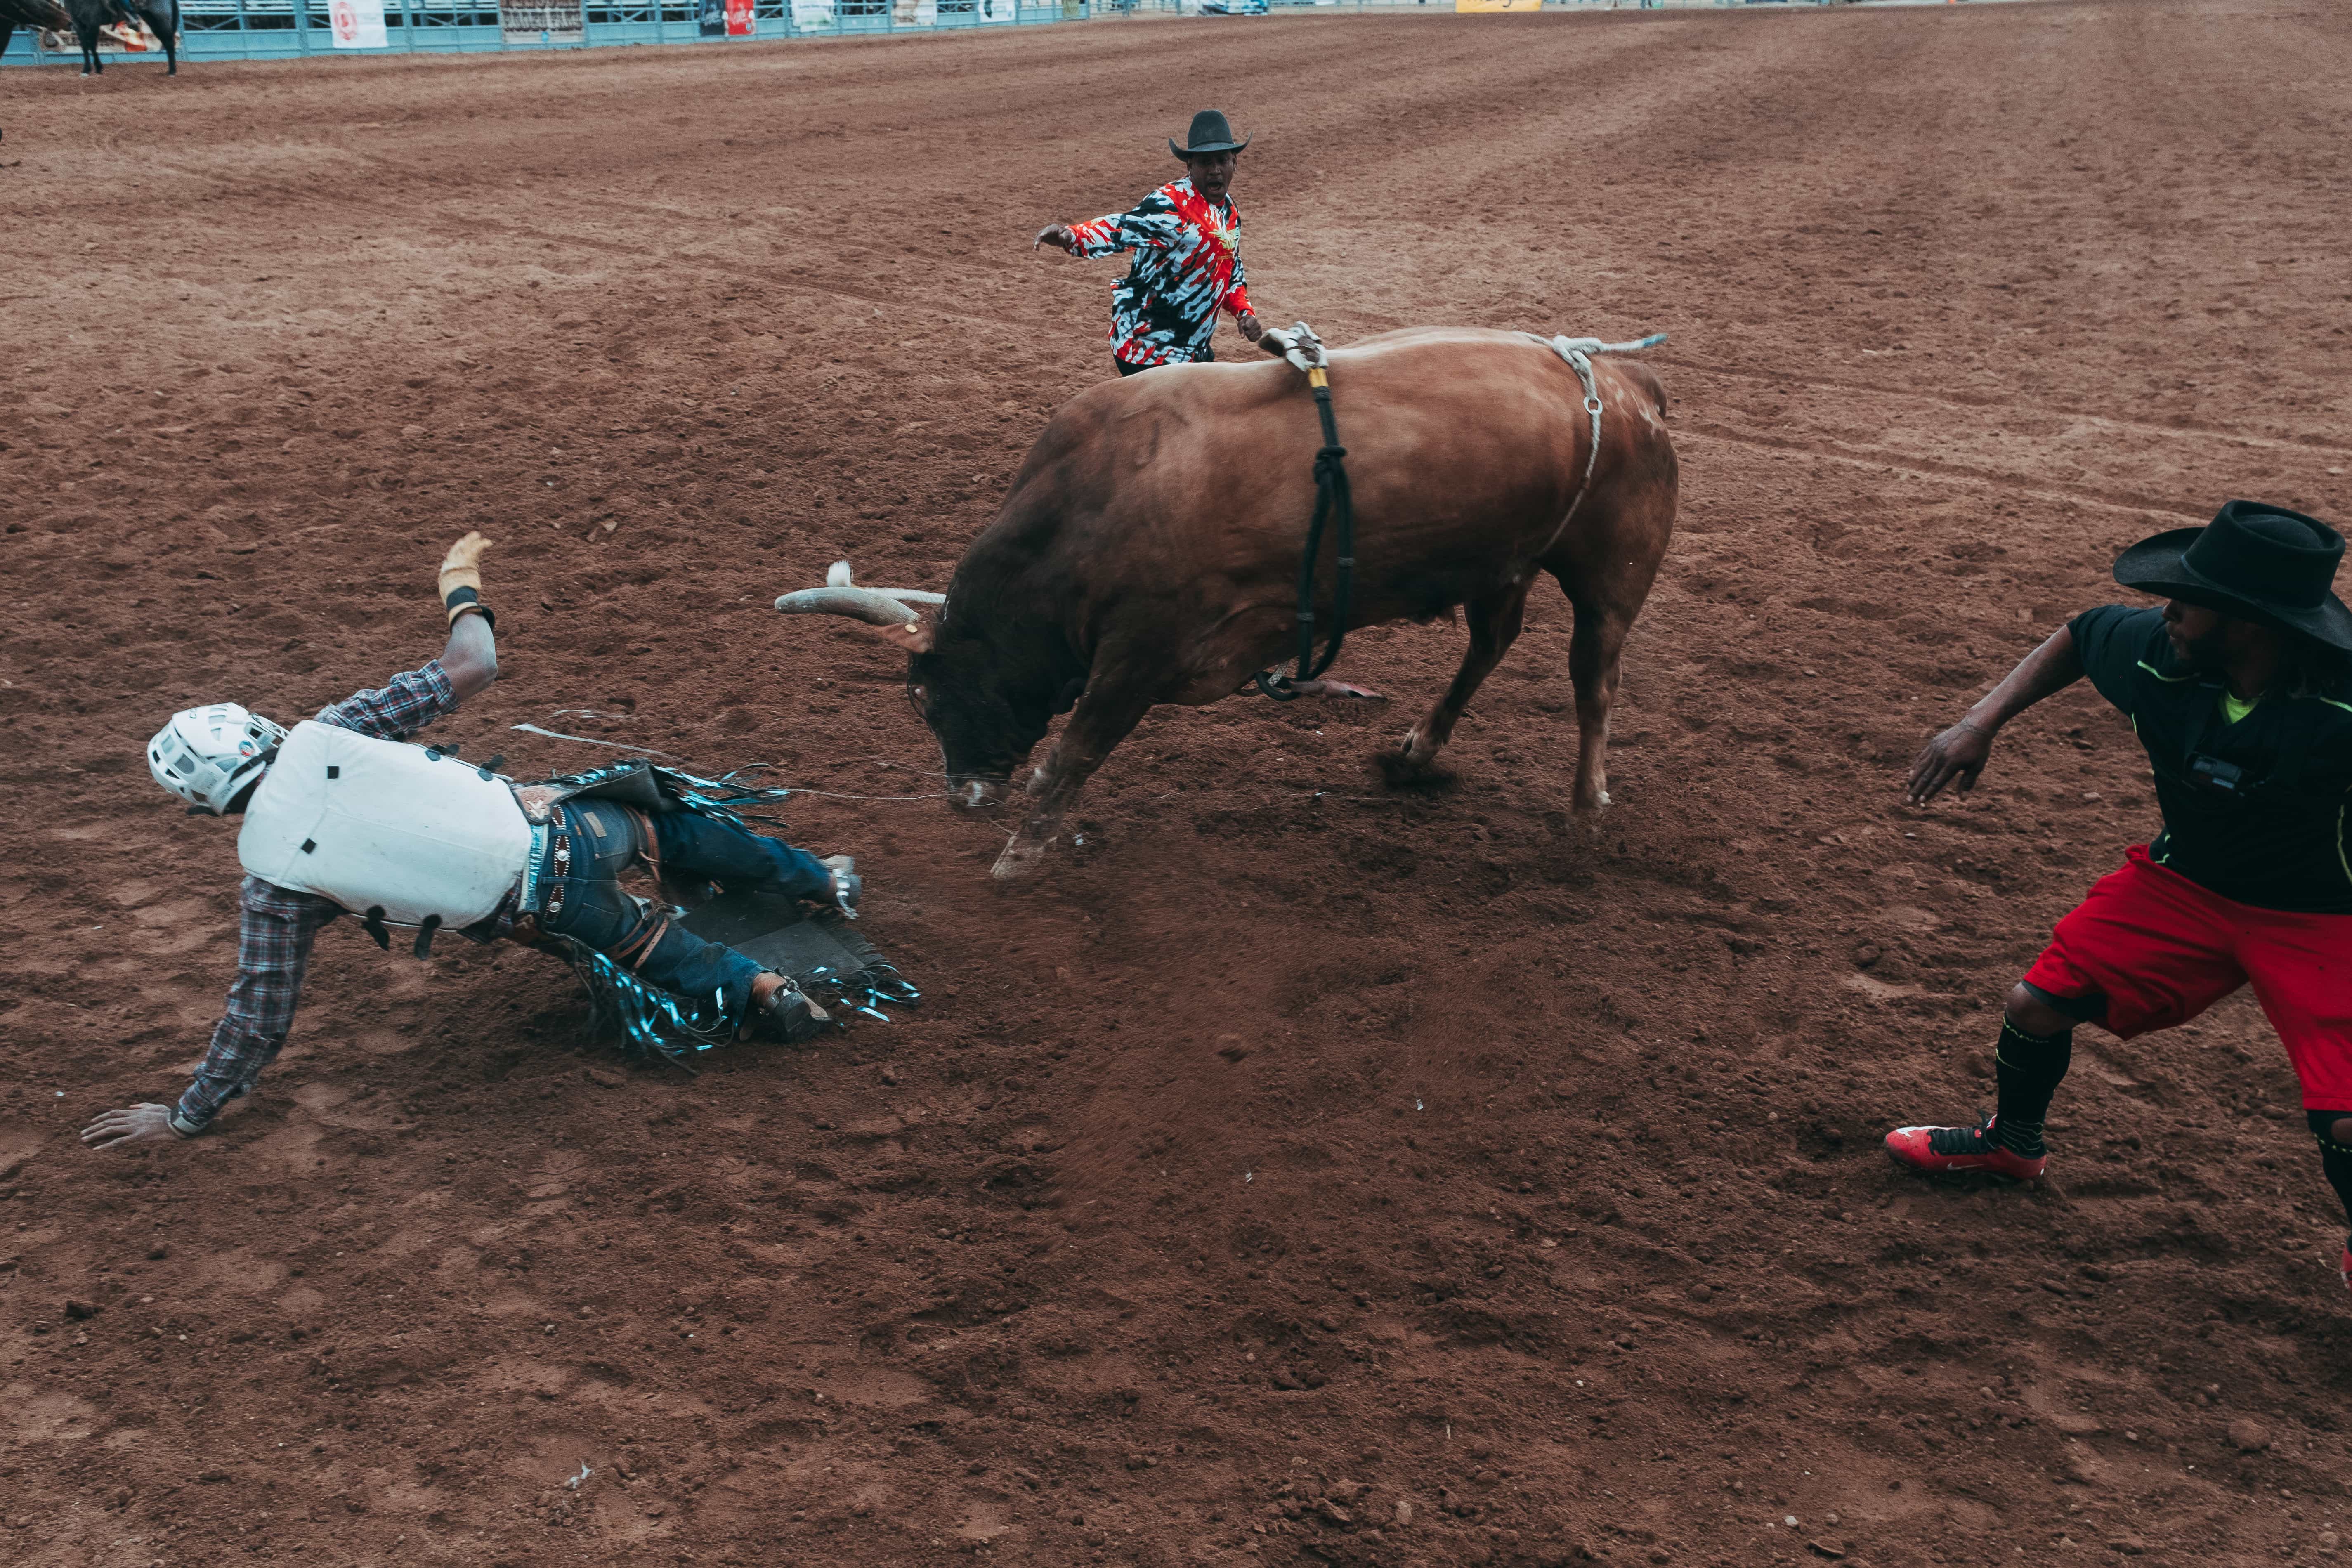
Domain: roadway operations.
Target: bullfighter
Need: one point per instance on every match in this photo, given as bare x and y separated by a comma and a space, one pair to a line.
339, 817
1186, 240
2240, 688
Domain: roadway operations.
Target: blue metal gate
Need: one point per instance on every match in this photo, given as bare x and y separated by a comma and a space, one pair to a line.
282, 29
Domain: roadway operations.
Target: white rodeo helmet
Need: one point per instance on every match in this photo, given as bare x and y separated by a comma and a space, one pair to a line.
207, 756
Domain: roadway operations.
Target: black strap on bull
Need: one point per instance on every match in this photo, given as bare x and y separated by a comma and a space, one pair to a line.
1332, 502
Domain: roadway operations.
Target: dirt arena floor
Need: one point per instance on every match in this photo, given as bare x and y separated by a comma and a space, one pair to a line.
1299, 1170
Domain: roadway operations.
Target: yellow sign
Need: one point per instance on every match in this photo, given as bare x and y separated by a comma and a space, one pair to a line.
1499, 4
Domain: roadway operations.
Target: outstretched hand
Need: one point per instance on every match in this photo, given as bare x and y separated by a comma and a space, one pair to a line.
462, 567
1057, 234
1955, 757
142, 1123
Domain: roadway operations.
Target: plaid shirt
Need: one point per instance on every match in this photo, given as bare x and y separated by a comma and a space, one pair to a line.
276, 926
1188, 264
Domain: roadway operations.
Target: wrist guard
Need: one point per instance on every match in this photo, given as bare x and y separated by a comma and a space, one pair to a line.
461, 600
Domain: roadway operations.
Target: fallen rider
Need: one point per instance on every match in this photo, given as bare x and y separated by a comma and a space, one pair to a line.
340, 816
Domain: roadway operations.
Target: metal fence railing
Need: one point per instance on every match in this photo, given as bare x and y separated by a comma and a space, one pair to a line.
279, 30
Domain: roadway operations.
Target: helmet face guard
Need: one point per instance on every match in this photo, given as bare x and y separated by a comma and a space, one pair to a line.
209, 756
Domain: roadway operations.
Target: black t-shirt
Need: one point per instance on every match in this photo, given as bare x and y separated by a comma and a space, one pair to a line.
2254, 809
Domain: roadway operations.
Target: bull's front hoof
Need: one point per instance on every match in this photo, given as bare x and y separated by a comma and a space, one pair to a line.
1019, 861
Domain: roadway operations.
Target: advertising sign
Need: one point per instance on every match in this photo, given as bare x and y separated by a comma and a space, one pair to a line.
357, 24
113, 37
543, 22
1499, 4
710, 17
741, 23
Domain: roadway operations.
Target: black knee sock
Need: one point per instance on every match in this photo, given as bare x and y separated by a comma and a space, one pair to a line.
2028, 1068
2335, 1158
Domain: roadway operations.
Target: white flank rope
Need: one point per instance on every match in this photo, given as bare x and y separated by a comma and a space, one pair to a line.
1578, 353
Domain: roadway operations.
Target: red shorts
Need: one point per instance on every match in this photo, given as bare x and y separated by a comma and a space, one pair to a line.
2162, 950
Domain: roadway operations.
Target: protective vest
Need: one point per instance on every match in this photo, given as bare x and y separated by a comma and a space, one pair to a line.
371, 824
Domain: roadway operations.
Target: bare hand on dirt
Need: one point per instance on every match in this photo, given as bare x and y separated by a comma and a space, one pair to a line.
1955, 757
142, 1123
1251, 330
1057, 234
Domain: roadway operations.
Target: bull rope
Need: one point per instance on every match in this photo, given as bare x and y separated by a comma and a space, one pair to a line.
1302, 348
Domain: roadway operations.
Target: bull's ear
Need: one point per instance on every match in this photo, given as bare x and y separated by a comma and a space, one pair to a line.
915, 637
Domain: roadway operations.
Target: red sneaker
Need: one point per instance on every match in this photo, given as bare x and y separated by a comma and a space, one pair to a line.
1946, 1149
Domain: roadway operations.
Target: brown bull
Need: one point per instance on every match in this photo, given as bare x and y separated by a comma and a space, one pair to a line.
1149, 549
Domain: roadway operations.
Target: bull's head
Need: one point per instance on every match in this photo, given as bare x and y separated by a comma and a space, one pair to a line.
983, 711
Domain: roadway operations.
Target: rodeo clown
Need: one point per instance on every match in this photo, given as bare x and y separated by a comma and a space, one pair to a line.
1186, 239
341, 817
2241, 691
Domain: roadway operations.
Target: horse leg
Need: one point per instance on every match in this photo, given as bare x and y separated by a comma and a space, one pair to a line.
1105, 715
88, 33
7, 31
164, 20
1494, 617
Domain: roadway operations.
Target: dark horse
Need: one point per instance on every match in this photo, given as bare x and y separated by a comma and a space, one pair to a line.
162, 16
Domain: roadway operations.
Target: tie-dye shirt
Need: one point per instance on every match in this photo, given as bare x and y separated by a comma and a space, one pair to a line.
1187, 267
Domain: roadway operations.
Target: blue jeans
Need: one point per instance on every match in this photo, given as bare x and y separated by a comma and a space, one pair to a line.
586, 901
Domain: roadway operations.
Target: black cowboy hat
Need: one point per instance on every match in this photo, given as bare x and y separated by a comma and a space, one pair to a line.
2255, 562
1210, 134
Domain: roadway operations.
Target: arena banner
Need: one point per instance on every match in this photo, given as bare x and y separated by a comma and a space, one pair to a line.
357, 24
1499, 4
742, 22
543, 22
113, 38
710, 19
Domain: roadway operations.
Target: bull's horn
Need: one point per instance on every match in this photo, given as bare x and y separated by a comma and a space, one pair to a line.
871, 605
837, 576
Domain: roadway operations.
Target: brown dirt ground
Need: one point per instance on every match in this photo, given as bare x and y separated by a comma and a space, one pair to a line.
1299, 1170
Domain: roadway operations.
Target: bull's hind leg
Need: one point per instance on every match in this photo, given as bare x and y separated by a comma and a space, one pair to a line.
1493, 618
1606, 575
1107, 712
1594, 655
